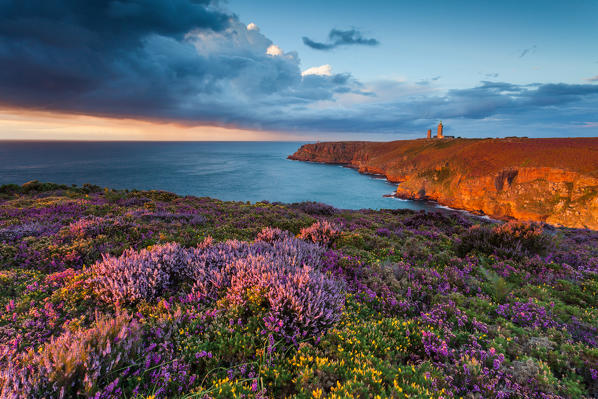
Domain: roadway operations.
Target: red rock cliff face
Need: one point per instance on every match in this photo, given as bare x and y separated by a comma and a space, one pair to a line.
550, 180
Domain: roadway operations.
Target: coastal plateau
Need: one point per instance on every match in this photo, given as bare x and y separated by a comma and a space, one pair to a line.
553, 180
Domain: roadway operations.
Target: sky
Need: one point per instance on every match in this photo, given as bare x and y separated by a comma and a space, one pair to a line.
296, 70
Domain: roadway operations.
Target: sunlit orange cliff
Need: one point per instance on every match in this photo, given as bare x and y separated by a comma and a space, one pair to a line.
551, 180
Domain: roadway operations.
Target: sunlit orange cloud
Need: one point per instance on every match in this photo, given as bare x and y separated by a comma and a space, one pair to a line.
16, 124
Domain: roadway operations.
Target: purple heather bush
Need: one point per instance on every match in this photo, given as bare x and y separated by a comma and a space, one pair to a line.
74, 363
528, 314
302, 301
513, 239
448, 317
271, 234
89, 226
321, 232
583, 332
17, 231
213, 267
384, 232
137, 275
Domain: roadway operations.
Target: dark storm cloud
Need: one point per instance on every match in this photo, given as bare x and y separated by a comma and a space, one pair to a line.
99, 56
184, 60
174, 59
338, 38
105, 23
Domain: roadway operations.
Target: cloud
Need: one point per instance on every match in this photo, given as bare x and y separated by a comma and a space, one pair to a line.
338, 38
183, 60
427, 82
593, 79
586, 125
99, 56
274, 50
322, 70
195, 63
495, 98
527, 51
557, 104
491, 75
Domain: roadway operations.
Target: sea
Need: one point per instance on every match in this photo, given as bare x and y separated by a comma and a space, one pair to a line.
230, 171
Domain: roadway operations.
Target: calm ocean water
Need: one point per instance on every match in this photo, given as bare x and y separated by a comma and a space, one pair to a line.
238, 171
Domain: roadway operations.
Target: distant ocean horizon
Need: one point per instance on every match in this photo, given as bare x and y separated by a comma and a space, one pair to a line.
230, 171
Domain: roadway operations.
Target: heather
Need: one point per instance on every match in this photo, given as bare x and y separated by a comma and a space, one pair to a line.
110, 294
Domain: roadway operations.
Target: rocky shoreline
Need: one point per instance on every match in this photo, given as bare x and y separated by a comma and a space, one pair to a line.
549, 180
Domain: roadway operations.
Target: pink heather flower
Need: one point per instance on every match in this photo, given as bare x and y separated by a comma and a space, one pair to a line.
322, 232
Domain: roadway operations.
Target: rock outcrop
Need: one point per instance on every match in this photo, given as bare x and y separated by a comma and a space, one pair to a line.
549, 180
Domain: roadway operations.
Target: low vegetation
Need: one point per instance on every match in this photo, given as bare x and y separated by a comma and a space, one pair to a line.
110, 294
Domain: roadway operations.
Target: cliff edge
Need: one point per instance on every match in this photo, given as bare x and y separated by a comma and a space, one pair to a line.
553, 180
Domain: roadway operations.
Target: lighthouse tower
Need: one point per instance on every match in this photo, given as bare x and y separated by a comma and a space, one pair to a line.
440, 134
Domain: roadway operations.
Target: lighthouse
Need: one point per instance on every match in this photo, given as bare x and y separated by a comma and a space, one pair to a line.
440, 135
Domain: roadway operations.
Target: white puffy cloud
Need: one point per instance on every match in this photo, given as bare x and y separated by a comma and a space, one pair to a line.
322, 70
274, 50
253, 26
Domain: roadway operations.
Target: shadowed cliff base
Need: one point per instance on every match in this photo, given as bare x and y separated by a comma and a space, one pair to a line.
553, 180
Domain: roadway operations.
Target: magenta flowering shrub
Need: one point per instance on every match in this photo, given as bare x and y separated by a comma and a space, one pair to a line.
147, 274
583, 332
528, 314
18, 231
448, 317
137, 275
384, 232
92, 226
58, 279
271, 234
302, 302
322, 232
213, 267
297, 252
88, 226
72, 364
437, 221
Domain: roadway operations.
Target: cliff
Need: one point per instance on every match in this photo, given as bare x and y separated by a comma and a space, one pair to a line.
551, 180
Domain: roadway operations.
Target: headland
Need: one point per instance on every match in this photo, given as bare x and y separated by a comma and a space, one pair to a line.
552, 180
